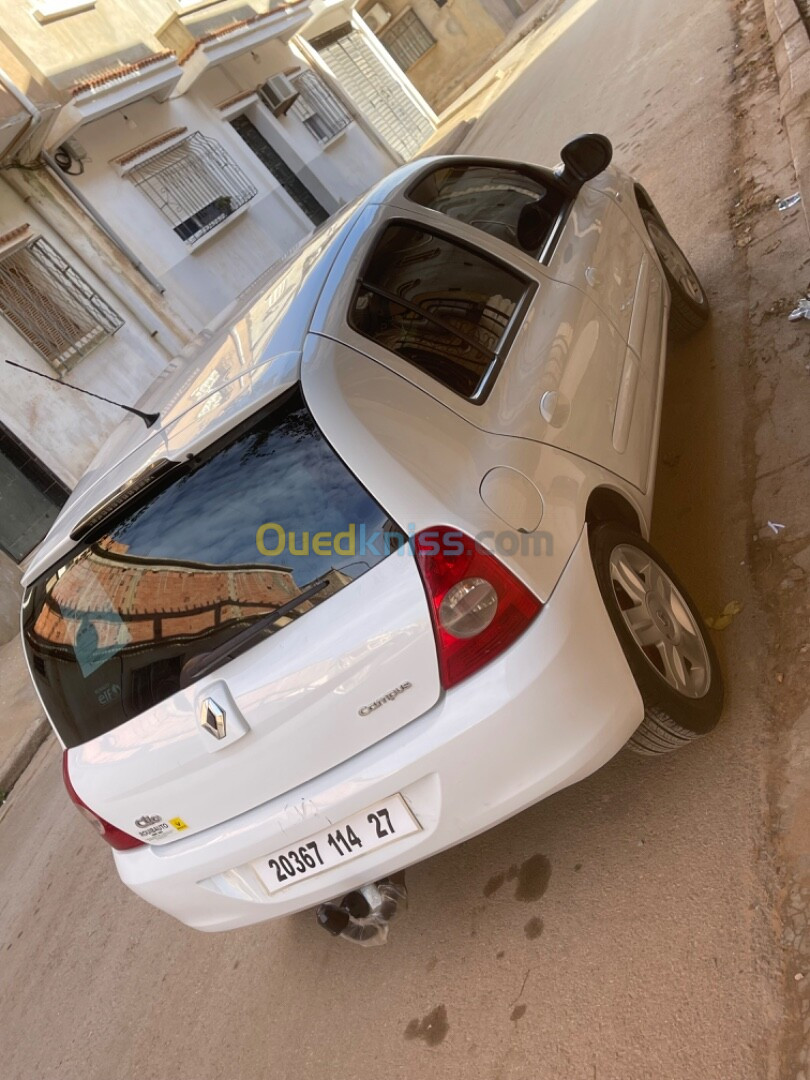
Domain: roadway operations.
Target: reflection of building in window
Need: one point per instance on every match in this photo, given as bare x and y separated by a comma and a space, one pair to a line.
132, 601
318, 108
491, 198
195, 184
128, 622
441, 306
407, 39
51, 305
485, 321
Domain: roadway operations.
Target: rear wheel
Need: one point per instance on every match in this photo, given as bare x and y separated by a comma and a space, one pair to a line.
690, 308
664, 639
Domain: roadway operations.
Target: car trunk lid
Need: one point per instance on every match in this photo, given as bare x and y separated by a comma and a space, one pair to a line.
228, 627
355, 668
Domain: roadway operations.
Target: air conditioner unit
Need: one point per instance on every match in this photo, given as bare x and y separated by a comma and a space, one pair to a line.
376, 17
278, 94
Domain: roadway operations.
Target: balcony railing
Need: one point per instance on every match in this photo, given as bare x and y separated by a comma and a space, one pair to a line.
323, 114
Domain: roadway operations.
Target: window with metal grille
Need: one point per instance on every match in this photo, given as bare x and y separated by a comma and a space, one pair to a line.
376, 92
318, 108
195, 184
51, 305
407, 39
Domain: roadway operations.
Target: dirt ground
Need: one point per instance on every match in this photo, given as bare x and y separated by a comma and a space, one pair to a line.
648, 922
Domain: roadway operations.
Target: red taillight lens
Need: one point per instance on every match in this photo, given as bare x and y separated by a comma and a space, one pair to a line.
114, 836
478, 607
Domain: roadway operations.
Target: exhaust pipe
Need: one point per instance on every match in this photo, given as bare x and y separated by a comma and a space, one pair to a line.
363, 915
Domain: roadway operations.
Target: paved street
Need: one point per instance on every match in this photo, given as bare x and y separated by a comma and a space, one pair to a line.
654, 950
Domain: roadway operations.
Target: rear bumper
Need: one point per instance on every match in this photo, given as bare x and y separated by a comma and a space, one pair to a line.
556, 706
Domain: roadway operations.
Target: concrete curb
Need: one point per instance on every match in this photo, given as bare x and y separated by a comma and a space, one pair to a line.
449, 142
531, 20
791, 50
12, 768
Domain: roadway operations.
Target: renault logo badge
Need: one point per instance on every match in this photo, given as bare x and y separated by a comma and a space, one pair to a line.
212, 718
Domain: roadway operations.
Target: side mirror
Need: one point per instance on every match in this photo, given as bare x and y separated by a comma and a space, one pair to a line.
583, 159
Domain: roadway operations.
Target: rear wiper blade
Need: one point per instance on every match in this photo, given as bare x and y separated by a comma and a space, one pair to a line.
200, 665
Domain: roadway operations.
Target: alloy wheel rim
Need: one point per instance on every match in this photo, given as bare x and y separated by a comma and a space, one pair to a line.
660, 621
676, 262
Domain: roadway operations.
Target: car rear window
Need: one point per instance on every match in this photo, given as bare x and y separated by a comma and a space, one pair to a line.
220, 542
445, 308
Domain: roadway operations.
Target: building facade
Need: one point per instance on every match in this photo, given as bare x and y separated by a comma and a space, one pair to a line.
442, 45
156, 157
340, 44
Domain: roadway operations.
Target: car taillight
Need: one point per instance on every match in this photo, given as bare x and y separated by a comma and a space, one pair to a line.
478, 606
114, 836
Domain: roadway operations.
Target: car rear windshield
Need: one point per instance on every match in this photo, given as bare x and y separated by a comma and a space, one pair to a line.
191, 570
447, 309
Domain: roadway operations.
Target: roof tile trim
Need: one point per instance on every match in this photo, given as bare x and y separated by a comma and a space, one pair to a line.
14, 234
136, 151
241, 96
111, 74
212, 35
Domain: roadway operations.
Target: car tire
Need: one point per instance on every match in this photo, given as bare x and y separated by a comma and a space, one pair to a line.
664, 640
690, 308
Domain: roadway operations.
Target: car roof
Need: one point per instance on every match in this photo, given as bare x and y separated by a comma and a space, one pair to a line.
229, 370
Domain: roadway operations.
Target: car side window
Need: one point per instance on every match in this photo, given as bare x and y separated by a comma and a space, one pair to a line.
492, 198
443, 307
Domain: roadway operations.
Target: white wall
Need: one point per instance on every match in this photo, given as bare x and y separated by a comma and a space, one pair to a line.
354, 163
64, 429
347, 167
203, 278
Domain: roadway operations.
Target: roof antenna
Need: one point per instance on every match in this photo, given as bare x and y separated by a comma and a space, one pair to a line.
149, 418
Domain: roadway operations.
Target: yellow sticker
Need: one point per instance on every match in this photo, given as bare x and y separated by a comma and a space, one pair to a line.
178, 823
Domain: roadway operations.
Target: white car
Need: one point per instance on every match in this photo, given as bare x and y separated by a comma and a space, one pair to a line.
378, 577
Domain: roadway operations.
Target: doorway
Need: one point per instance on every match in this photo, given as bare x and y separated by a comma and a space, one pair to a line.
273, 161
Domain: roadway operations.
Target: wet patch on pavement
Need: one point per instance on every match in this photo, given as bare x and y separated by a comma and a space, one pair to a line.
533, 878
494, 883
533, 928
432, 1028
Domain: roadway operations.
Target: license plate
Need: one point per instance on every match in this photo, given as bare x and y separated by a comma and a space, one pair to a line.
372, 828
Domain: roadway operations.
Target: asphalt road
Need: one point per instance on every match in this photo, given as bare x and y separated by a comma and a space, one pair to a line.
651, 952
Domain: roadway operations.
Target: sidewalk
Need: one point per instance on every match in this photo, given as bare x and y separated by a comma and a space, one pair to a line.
23, 727
452, 128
